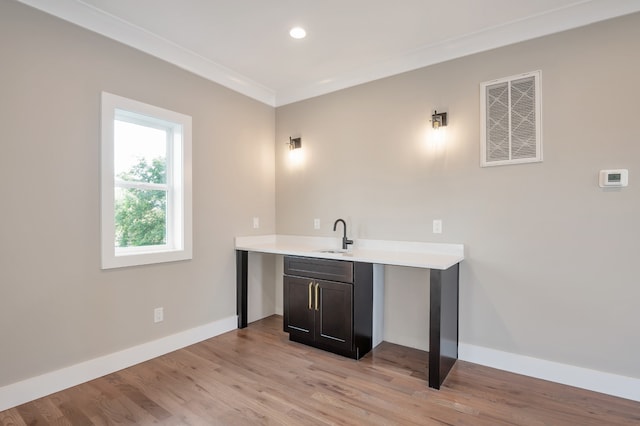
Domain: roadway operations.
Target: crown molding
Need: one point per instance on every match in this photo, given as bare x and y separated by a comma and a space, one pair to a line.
562, 19
98, 21
576, 15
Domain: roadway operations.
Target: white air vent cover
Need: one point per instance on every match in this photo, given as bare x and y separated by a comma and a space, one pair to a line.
510, 120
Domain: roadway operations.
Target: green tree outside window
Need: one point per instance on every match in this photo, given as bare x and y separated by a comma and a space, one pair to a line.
141, 214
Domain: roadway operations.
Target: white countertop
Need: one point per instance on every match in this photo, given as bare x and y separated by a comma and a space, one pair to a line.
399, 253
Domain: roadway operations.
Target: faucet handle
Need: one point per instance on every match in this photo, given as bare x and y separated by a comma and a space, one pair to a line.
346, 242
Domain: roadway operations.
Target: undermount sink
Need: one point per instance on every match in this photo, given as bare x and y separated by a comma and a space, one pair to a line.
335, 251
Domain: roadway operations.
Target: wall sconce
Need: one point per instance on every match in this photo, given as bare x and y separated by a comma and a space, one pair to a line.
294, 143
438, 119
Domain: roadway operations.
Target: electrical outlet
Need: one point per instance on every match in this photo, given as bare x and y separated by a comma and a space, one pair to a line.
256, 222
316, 223
158, 315
437, 226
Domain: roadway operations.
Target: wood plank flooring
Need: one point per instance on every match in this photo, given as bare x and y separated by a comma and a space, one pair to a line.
256, 376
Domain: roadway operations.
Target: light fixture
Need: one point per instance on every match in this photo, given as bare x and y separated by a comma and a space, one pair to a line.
298, 32
294, 143
438, 119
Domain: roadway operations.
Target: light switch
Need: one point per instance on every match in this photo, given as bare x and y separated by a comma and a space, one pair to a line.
256, 222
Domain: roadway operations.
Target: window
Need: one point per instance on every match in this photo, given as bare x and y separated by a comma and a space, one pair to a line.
146, 183
511, 120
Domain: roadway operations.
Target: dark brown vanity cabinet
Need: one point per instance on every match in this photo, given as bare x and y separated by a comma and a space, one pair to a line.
328, 304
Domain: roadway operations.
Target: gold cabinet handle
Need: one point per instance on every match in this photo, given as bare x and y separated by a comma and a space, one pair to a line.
310, 286
317, 285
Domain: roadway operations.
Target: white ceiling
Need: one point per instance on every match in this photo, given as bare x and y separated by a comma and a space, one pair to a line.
245, 45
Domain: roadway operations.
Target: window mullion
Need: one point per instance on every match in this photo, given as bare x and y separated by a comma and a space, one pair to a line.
119, 183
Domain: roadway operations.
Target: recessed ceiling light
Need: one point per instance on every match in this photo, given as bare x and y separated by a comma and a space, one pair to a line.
298, 32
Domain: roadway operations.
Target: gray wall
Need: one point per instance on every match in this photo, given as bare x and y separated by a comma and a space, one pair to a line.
550, 257
57, 307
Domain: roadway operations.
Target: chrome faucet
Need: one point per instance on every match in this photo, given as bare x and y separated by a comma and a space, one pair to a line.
345, 241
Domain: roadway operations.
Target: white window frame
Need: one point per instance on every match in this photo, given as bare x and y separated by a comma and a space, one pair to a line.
537, 76
178, 183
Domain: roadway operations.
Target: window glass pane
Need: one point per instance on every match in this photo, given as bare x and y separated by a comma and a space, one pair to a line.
140, 217
140, 153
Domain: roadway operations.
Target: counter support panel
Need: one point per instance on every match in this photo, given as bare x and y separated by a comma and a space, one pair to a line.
242, 260
443, 324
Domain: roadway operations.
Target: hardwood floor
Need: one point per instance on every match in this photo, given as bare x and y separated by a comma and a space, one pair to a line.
256, 376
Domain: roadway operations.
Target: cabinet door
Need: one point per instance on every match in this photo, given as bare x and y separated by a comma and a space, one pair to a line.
334, 317
298, 306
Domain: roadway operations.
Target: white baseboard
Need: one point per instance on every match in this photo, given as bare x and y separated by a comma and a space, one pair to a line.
597, 381
36, 387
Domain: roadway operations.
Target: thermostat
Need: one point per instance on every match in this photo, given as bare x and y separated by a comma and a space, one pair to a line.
612, 178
